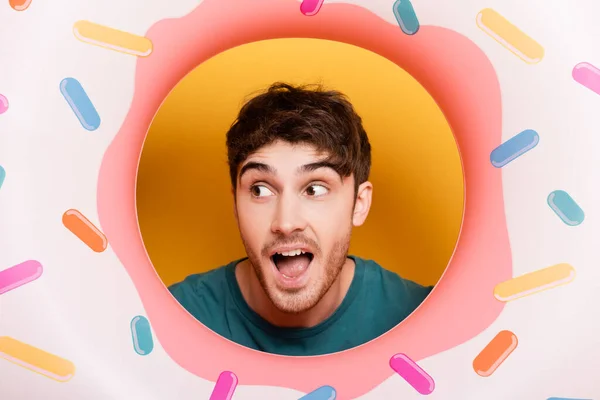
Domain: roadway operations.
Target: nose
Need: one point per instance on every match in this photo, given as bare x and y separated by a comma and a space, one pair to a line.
288, 216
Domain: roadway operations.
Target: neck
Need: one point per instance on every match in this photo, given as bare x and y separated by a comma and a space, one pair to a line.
258, 300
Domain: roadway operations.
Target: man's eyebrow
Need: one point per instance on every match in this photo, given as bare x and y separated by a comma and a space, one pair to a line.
258, 166
301, 170
317, 165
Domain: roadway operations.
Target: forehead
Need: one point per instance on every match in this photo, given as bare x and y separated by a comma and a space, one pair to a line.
281, 154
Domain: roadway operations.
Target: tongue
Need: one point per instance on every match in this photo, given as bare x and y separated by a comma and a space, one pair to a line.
292, 266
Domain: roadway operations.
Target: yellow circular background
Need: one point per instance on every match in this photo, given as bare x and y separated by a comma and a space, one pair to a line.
184, 201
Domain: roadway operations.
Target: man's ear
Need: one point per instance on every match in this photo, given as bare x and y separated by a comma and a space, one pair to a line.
363, 203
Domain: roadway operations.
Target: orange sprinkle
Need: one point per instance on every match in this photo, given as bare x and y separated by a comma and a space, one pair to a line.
81, 227
19, 5
494, 354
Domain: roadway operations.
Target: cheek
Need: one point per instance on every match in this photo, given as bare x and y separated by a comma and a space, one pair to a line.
331, 223
254, 224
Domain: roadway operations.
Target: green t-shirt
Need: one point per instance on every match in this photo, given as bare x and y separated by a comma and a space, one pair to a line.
377, 300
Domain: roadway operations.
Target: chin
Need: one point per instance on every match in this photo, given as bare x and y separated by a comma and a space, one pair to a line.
293, 302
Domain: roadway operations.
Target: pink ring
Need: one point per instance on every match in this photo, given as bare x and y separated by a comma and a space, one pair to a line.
461, 80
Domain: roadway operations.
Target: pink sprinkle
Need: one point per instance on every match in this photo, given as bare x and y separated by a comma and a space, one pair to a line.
225, 386
20, 274
310, 7
412, 373
587, 75
3, 104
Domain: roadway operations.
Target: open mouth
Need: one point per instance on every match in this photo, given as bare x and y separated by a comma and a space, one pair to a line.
292, 264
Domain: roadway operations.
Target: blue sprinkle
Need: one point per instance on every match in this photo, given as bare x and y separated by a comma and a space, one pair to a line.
141, 335
2, 175
406, 17
565, 207
564, 398
514, 148
322, 393
80, 103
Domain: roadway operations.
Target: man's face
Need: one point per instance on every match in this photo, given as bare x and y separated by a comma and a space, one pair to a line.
295, 218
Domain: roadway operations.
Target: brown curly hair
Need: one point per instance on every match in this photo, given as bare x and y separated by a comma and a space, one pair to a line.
306, 114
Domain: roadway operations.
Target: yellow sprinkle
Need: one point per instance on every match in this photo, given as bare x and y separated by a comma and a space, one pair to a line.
36, 360
510, 36
534, 282
125, 42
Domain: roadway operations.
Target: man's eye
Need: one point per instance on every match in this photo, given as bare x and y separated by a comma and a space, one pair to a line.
316, 190
260, 191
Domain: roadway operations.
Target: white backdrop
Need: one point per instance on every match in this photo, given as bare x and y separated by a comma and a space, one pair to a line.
73, 310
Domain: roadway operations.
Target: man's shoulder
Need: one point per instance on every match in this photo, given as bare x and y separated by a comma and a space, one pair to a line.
375, 274
386, 297
205, 295
198, 283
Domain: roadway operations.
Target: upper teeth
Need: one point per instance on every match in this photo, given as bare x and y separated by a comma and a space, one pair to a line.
291, 253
